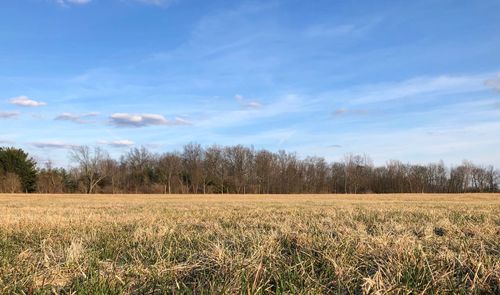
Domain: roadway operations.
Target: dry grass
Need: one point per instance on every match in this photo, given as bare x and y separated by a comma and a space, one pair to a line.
250, 244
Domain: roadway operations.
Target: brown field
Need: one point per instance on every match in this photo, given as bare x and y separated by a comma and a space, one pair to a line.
314, 244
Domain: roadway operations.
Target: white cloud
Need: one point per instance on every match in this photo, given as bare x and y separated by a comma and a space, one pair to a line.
53, 145
143, 120
7, 115
137, 120
76, 118
25, 101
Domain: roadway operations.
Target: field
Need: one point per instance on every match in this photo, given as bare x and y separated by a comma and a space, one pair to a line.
314, 244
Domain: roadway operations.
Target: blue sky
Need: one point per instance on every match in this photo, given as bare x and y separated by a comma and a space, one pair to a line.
417, 81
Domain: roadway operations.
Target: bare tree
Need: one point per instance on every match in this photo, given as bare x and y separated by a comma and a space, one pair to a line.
239, 160
91, 165
357, 168
215, 168
115, 174
10, 183
169, 166
193, 166
50, 180
264, 162
139, 164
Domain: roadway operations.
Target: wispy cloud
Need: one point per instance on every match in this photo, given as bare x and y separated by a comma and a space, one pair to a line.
286, 105
163, 3
439, 85
52, 145
25, 101
339, 112
118, 143
326, 30
253, 105
322, 30
8, 115
476, 141
72, 2
181, 121
245, 103
121, 143
344, 111
494, 82
82, 119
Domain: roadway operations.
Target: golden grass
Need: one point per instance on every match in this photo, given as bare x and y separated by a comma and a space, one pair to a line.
122, 244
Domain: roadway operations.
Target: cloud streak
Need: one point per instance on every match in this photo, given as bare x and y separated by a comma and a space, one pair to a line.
181, 121
421, 86
253, 104
163, 3
118, 143
344, 111
494, 83
8, 115
121, 143
72, 2
81, 119
53, 145
284, 106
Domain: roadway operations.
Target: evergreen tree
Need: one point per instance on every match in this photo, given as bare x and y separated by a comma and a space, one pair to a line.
18, 162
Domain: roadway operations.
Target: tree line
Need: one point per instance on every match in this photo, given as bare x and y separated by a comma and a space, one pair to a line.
234, 169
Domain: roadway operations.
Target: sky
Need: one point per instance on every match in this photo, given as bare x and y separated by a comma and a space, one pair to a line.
417, 81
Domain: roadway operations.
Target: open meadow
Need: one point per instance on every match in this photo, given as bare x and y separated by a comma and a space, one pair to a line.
314, 244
